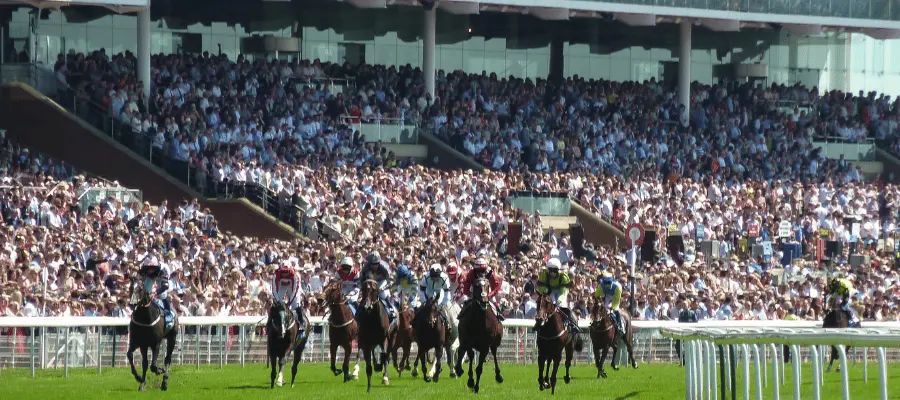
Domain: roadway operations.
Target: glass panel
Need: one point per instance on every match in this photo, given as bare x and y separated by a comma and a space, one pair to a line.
600, 67
839, 8
495, 62
701, 72
620, 70
409, 53
385, 54
516, 61
124, 40
473, 60
538, 64
451, 59
760, 6
860, 9
580, 66
100, 37
880, 9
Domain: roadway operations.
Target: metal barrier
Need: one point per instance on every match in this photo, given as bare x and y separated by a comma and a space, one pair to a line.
387, 130
98, 342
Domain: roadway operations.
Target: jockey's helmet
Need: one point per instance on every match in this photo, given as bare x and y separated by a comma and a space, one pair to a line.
403, 272
435, 269
347, 263
554, 264
603, 275
481, 264
607, 281
834, 285
374, 258
452, 270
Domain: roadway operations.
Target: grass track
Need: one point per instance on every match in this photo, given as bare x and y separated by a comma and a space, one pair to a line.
650, 381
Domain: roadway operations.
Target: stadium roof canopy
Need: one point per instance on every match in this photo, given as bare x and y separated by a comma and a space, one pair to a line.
118, 6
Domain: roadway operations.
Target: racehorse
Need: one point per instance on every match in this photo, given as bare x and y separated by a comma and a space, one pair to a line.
281, 335
836, 318
603, 336
553, 337
342, 329
401, 337
146, 331
373, 331
430, 334
479, 330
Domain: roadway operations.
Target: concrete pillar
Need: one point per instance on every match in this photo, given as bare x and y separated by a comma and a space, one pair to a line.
684, 69
143, 49
428, 49
557, 59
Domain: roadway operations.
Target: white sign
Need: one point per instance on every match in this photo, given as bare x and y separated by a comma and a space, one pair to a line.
784, 229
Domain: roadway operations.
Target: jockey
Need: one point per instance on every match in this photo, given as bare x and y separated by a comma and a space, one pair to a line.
480, 270
378, 270
453, 274
609, 291
152, 271
405, 281
555, 282
286, 283
348, 275
437, 285
842, 288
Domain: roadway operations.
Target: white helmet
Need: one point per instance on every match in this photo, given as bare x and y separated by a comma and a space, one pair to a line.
554, 264
436, 268
347, 261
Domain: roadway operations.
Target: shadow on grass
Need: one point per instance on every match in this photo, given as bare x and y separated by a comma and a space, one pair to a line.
245, 387
628, 396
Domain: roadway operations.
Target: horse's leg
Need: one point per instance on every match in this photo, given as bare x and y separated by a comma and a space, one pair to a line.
629, 345
450, 362
333, 347
615, 358
407, 349
438, 360
570, 349
130, 356
834, 356
355, 373
497, 376
298, 354
459, 358
601, 373
167, 362
394, 350
154, 352
597, 362
282, 359
471, 382
384, 365
482, 355
144, 363
556, 359
422, 358
542, 358
273, 362
367, 353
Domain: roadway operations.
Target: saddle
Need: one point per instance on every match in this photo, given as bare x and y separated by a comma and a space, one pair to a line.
168, 315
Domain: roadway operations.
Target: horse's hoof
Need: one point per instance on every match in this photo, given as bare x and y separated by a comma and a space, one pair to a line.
452, 374
476, 388
336, 372
436, 379
602, 374
499, 378
164, 386
567, 379
542, 387
427, 379
471, 383
138, 379
415, 374
615, 368
459, 371
143, 388
385, 381
634, 366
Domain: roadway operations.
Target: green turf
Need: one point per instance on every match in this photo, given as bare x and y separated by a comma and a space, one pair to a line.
650, 381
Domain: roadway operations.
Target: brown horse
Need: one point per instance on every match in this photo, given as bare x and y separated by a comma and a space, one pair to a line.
836, 318
342, 329
603, 336
479, 330
553, 338
430, 334
373, 331
401, 337
281, 334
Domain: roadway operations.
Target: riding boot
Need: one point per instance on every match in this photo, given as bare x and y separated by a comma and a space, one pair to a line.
446, 320
573, 324
167, 310
301, 322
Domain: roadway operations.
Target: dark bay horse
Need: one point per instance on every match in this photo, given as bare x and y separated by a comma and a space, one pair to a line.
836, 318
373, 331
603, 336
430, 334
479, 330
146, 331
342, 329
553, 338
401, 337
281, 335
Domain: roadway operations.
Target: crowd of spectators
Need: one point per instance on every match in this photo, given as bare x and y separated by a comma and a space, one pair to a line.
618, 148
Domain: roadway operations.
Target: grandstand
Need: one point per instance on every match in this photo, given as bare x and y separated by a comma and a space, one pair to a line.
759, 153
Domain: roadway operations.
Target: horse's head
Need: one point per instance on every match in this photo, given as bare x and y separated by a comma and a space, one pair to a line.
545, 309
480, 290
278, 319
368, 293
332, 293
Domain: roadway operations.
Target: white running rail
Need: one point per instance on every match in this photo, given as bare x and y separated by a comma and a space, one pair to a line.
709, 346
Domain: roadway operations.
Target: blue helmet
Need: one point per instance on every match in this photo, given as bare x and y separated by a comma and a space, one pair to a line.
607, 281
403, 272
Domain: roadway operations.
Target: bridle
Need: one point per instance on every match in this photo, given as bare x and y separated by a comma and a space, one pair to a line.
543, 304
